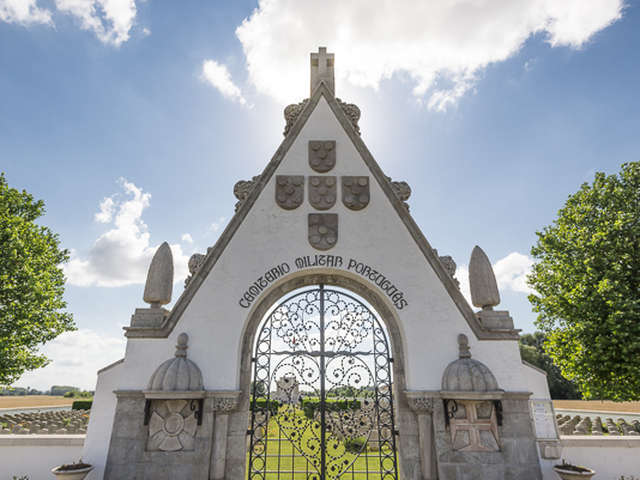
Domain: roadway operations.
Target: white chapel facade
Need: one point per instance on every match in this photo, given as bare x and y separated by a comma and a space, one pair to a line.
322, 323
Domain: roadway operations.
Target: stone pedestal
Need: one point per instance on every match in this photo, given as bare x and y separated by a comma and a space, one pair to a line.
495, 319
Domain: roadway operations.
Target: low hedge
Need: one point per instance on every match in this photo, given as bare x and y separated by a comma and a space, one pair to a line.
311, 404
81, 405
261, 404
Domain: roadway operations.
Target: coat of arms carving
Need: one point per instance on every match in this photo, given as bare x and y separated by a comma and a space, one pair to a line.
322, 192
322, 155
355, 192
323, 230
289, 191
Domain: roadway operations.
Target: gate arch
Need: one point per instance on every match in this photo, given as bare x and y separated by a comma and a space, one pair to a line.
405, 420
321, 402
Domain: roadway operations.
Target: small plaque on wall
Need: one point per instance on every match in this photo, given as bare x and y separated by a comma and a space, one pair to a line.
544, 419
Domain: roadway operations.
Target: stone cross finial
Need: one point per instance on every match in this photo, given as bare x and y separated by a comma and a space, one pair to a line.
157, 290
322, 70
463, 346
181, 347
482, 281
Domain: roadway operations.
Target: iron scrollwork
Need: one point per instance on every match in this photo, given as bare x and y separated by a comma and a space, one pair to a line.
322, 400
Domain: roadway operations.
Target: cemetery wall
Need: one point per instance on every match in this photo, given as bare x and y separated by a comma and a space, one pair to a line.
610, 457
36, 455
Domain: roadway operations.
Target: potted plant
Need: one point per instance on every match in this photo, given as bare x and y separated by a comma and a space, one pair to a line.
72, 471
567, 471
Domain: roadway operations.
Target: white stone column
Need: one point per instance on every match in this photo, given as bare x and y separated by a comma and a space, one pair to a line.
423, 408
223, 404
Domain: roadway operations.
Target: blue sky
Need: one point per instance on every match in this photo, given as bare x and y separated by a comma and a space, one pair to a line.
133, 121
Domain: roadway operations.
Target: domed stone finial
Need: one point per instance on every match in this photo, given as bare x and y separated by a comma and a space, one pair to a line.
178, 373
181, 347
482, 281
463, 346
157, 290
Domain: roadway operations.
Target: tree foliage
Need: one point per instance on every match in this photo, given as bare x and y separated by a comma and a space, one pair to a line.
31, 284
587, 283
532, 351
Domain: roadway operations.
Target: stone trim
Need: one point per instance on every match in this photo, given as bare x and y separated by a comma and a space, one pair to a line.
599, 442
422, 243
36, 440
110, 366
530, 365
128, 393
173, 395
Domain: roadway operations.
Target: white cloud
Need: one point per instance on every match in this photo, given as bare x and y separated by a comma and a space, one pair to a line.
23, 12
110, 20
218, 76
121, 256
105, 214
441, 45
511, 274
76, 357
217, 225
146, 32
186, 237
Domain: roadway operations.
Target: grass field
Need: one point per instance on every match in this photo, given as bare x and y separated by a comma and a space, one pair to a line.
598, 406
33, 401
292, 440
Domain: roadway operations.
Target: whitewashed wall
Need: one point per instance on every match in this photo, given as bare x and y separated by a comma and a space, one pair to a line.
36, 455
610, 457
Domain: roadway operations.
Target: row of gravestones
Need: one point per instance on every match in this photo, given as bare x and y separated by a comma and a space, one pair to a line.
578, 425
57, 422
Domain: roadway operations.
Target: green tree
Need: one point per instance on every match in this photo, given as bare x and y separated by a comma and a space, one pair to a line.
587, 283
31, 284
532, 351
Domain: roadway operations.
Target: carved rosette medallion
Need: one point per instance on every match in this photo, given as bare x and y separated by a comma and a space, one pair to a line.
355, 192
172, 426
289, 191
322, 192
322, 155
323, 230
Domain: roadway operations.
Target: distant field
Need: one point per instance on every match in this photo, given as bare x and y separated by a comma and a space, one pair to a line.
33, 401
598, 406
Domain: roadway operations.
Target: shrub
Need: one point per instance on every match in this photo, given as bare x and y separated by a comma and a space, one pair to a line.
81, 405
311, 404
355, 445
261, 404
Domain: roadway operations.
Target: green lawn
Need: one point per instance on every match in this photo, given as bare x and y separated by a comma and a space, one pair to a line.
292, 452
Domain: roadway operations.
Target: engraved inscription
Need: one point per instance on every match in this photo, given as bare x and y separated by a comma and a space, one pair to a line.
355, 192
322, 192
323, 230
289, 191
322, 155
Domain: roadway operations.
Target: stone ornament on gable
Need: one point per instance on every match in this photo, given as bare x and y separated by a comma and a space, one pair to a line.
195, 262
322, 155
289, 191
242, 189
323, 230
322, 192
402, 191
293, 111
355, 192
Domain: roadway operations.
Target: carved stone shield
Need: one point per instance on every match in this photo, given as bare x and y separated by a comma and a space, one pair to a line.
322, 192
323, 230
289, 191
355, 192
322, 155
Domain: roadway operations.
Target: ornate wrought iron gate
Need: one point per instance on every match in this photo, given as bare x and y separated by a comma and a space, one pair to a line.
322, 401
